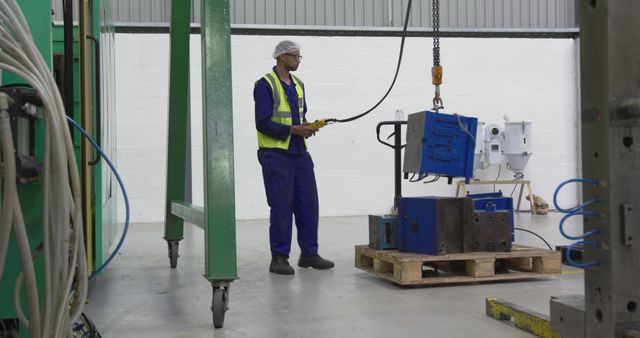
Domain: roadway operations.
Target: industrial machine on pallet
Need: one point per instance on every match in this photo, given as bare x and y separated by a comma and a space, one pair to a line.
438, 145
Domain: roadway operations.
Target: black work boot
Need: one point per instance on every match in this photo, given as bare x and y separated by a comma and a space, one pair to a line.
280, 265
315, 262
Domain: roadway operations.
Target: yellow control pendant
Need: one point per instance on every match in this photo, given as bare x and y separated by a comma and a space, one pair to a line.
318, 124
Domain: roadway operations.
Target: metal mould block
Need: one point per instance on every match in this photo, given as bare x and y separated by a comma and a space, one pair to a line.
494, 201
567, 316
433, 225
383, 231
490, 231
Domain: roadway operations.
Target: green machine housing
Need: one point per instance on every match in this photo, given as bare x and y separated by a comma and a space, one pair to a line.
101, 203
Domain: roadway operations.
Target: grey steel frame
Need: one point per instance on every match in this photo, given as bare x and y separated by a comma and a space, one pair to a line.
610, 125
610, 91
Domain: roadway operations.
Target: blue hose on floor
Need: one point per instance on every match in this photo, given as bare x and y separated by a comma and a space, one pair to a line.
567, 254
124, 193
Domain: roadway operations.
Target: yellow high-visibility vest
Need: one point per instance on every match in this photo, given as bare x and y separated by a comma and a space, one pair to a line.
281, 110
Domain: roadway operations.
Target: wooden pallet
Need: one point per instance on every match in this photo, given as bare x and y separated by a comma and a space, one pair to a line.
405, 268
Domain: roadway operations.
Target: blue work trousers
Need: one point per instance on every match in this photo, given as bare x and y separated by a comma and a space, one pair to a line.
290, 184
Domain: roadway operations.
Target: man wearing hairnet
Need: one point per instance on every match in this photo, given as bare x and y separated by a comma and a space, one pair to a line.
287, 168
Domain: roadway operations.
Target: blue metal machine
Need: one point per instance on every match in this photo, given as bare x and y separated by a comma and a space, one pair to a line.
447, 225
440, 144
433, 225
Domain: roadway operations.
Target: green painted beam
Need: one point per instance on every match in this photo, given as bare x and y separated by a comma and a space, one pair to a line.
189, 213
219, 195
178, 115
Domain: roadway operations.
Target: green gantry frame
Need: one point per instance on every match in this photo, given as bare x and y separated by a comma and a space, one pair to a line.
217, 217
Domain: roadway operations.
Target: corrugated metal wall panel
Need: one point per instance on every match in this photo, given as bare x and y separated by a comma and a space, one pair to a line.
311, 17
470, 14
330, 10
195, 13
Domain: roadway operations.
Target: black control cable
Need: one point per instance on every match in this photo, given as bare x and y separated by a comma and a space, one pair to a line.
533, 233
404, 33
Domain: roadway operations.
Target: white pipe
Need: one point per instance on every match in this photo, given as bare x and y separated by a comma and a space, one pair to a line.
28, 269
63, 246
21, 234
7, 189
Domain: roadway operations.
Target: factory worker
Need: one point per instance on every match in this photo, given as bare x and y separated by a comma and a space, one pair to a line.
287, 167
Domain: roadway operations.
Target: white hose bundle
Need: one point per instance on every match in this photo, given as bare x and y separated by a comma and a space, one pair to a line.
63, 248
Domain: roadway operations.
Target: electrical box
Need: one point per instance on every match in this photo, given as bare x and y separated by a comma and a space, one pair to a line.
433, 225
24, 112
440, 144
383, 231
494, 201
493, 144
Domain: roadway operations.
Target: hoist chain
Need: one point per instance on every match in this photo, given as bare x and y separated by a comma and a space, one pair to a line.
436, 32
436, 71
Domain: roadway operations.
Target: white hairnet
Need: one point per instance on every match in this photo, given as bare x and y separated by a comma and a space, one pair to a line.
285, 46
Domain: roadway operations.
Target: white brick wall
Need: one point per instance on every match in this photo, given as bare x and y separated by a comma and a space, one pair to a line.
531, 80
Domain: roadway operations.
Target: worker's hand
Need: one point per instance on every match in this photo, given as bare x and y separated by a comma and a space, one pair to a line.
303, 130
315, 129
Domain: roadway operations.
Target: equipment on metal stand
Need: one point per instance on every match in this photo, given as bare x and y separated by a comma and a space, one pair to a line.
513, 141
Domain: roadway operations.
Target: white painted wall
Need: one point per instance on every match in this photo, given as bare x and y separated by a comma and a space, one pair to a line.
530, 79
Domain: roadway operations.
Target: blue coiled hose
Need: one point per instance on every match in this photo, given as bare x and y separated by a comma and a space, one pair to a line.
581, 206
577, 211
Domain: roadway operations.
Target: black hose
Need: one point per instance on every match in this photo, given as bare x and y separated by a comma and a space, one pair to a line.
533, 233
404, 32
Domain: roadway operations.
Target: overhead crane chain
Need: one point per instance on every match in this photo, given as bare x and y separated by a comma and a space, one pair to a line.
436, 71
436, 32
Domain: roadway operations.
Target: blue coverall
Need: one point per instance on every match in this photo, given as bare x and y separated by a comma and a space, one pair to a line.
289, 179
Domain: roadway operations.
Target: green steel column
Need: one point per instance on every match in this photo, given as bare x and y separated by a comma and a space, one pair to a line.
219, 195
178, 115
95, 28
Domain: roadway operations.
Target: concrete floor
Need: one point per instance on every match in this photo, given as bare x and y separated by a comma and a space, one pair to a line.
140, 296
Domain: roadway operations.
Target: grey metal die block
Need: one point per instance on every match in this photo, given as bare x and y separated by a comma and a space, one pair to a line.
567, 316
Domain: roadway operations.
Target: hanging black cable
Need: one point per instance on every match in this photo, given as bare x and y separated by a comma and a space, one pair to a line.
404, 32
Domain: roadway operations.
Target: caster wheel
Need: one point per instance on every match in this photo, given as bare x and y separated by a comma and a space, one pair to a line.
173, 253
219, 306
